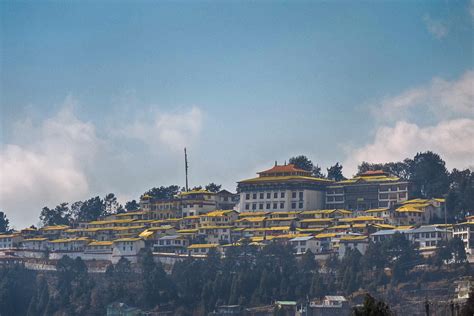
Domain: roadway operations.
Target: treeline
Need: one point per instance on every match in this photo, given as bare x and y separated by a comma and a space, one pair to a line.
96, 207
247, 275
428, 173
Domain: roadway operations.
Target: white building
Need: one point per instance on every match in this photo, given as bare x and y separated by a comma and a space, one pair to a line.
346, 242
465, 231
9, 241
127, 248
282, 189
197, 202
303, 244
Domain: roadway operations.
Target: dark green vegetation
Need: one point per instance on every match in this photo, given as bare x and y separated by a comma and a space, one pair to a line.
247, 275
428, 173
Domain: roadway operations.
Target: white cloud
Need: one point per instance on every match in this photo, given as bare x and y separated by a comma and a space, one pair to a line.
400, 134
452, 139
47, 166
435, 27
440, 97
170, 130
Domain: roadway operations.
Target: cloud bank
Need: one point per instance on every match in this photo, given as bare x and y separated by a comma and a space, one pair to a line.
400, 134
63, 159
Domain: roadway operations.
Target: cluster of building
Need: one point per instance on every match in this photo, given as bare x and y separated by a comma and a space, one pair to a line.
283, 204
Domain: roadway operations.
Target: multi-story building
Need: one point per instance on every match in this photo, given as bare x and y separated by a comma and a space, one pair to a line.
226, 200
197, 202
282, 189
465, 231
160, 208
368, 190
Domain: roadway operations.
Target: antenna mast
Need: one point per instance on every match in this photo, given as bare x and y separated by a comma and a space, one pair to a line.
186, 167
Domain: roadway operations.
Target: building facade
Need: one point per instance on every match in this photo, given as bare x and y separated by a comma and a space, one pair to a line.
368, 190
282, 189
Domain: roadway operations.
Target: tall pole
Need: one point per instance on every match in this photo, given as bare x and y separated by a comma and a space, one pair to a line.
186, 167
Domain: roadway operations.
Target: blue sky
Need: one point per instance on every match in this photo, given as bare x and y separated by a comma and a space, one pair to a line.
104, 95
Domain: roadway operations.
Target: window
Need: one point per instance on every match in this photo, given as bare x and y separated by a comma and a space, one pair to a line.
275, 206
293, 195
247, 196
282, 194
282, 205
293, 205
261, 195
260, 206
254, 196
275, 195
254, 206
300, 205
301, 195
269, 195
268, 206
247, 206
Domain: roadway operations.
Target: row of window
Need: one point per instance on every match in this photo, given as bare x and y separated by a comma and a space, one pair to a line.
268, 195
268, 206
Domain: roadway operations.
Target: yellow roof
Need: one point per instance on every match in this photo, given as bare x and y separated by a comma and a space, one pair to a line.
384, 226
199, 246
310, 230
440, 200
251, 219
217, 213
339, 227
100, 243
291, 236
127, 239
352, 238
316, 220
261, 238
8, 236
333, 211
285, 178
131, 213
253, 214
64, 240
361, 219
194, 192
278, 228
409, 208
325, 235
187, 231
215, 227
35, 239
377, 210
381, 178
56, 227
112, 221
191, 217
276, 219
146, 233
278, 214
403, 227
415, 201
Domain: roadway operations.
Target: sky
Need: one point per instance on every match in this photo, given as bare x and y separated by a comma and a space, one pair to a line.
102, 96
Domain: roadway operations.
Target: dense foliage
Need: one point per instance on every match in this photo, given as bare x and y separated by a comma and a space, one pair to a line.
247, 275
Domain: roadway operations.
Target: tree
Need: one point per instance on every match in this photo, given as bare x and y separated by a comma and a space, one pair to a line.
468, 307
132, 205
111, 204
429, 175
317, 172
456, 246
302, 162
163, 193
372, 307
60, 215
90, 210
399, 169
212, 187
335, 172
460, 198
4, 223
